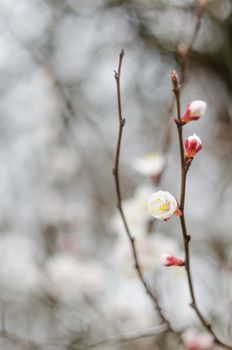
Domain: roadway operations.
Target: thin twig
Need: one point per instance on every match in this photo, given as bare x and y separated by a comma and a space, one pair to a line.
15, 339
152, 293
160, 329
184, 53
186, 236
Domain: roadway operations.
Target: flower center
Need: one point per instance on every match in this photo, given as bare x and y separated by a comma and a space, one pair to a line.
164, 207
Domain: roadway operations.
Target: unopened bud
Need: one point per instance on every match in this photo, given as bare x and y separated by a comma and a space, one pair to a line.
175, 79
195, 340
194, 111
193, 145
167, 259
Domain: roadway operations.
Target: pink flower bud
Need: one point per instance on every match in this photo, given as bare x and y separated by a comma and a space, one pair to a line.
193, 145
167, 259
194, 111
195, 340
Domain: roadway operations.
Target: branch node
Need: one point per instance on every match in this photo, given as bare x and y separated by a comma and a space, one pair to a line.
122, 53
179, 124
192, 306
116, 75
175, 81
187, 163
122, 122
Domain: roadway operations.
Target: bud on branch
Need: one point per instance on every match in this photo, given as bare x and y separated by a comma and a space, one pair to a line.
167, 259
195, 110
193, 145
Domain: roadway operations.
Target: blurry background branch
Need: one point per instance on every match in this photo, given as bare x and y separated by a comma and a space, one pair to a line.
161, 329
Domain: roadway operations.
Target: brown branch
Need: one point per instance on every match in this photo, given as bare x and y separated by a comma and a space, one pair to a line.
15, 339
186, 236
184, 53
166, 134
152, 293
160, 329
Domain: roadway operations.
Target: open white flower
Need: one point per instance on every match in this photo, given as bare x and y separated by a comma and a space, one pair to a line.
162, 205
71, 280
152, 164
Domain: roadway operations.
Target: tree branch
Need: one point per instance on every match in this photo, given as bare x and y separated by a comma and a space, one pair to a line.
23, 342
160, 329
184, 53
152, 294
186, 236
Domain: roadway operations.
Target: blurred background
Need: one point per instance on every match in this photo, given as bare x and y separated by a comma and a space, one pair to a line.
67, 279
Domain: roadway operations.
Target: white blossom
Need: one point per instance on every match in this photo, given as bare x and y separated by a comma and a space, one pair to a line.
151, 164
69, 279
162, 205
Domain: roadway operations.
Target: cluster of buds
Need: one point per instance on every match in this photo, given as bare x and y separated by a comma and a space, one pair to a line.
194, 111
150, 165
162, 204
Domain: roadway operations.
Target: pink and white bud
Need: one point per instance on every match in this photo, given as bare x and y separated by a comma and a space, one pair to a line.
194, 111
167, 259
193, 145
195, 340
162, 205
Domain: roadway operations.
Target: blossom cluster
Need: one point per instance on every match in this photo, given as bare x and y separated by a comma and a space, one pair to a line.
155, 249
162, 204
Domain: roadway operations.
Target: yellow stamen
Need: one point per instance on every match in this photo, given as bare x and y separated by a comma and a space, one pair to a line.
150, 156
164, 207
